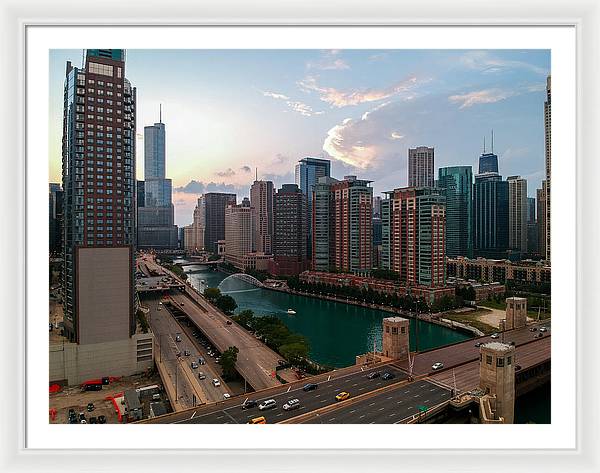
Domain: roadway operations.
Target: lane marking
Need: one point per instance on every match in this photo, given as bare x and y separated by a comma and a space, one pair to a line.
381, 409
362, 416
372, 404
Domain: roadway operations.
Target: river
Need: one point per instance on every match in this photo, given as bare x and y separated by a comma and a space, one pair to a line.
336, 332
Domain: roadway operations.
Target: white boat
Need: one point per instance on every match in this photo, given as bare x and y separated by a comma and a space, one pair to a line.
291, 311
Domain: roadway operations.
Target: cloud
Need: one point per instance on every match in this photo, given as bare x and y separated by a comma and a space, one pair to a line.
480, 96
227, 173
329, 62
339, 98
246, 169
298, 107
192, 187
486, 63
370, 140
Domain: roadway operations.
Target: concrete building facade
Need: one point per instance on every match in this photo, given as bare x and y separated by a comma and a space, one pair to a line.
421, 167
518, 209
395, 338
492, 270
516, 312
261, 201
497, 378
238, 234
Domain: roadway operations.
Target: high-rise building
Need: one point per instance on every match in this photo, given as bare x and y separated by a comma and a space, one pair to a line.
261, 201
490, 216
238, 234
532, 228
140, 194
548, 153
99, 202
488, 162
194, 233
456, 183
155, 225
342, 218
517, 214
542, 215
421, 164
56, 198
215, 204
308, 172
377, 207
531, 210
289, 237
413, 235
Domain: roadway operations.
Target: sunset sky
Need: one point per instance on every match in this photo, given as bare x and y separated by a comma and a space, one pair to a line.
228, 112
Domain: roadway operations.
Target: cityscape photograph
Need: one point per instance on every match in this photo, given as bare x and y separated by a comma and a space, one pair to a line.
294, 236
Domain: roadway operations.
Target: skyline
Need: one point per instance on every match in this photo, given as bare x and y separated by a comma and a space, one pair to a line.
361, 109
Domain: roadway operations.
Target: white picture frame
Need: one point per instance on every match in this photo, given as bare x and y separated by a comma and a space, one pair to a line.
582, 15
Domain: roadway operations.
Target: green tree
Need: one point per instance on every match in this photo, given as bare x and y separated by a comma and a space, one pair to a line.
228, 361
212, 293
294, 352
245, 318
226, 303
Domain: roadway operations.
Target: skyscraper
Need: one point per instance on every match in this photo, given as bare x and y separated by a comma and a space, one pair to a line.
490, 216
413, 235
541, 220
548, 154
238, 234
261, 201
289, 236
345, 209
421, 167
215, 204
55, 215
308, 172
155, 225
488, 162
517, 214
194, 233
99, 184
456, 183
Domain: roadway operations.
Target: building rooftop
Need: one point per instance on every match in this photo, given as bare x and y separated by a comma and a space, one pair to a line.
395, 319
498, 346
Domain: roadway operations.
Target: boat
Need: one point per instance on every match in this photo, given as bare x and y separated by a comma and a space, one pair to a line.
291, 311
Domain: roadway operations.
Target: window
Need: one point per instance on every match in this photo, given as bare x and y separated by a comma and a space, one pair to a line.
499, 362
402, 329
394, 330
488, 359
508, 361
387, 329
102, 69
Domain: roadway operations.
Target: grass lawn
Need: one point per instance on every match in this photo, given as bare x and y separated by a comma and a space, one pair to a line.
472, 319
502, 306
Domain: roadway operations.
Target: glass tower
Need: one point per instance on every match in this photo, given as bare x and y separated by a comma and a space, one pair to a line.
456, 183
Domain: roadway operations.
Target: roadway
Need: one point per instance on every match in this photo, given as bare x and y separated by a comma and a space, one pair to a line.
166, 329
230, 412
256, 362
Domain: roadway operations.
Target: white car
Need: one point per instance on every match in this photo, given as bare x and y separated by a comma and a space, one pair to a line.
437, 366
268, 404
226, 396
216, 383
291, 404
543, 329
494, 335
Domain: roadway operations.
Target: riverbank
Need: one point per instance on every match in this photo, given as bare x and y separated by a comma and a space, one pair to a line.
431, 318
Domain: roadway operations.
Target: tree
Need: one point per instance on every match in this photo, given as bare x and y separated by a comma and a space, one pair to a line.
212, 293
226, 303
294, 352
245, 318
228, 361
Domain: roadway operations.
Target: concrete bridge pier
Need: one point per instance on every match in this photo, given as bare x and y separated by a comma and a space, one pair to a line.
497, 381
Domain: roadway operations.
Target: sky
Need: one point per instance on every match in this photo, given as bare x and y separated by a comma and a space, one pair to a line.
232, 113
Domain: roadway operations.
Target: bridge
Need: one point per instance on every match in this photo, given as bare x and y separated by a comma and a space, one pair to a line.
242, 277
411, 395
200, 263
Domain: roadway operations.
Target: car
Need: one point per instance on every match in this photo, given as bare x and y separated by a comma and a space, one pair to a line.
258, 420
281, 362
93, 420
539, 335
291, 405
90, 406
495, 335
194, 365
81, 416
387, 375
373, 375
187, 353
71, 412
102, 419
543, 329
342, 396
83, 421
226, 396
201, 375
201, 360
310, 387
268, 404
73, 420
437, 366
216, 383
218, 359
177, 338
478, 344
249, 403
533, 329
228, 322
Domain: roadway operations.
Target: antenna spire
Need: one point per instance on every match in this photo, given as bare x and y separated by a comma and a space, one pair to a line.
160, 112
256, 178
492, 140
484, 144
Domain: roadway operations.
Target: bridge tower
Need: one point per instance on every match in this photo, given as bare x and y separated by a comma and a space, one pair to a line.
395, 338
516, 312
497, 379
